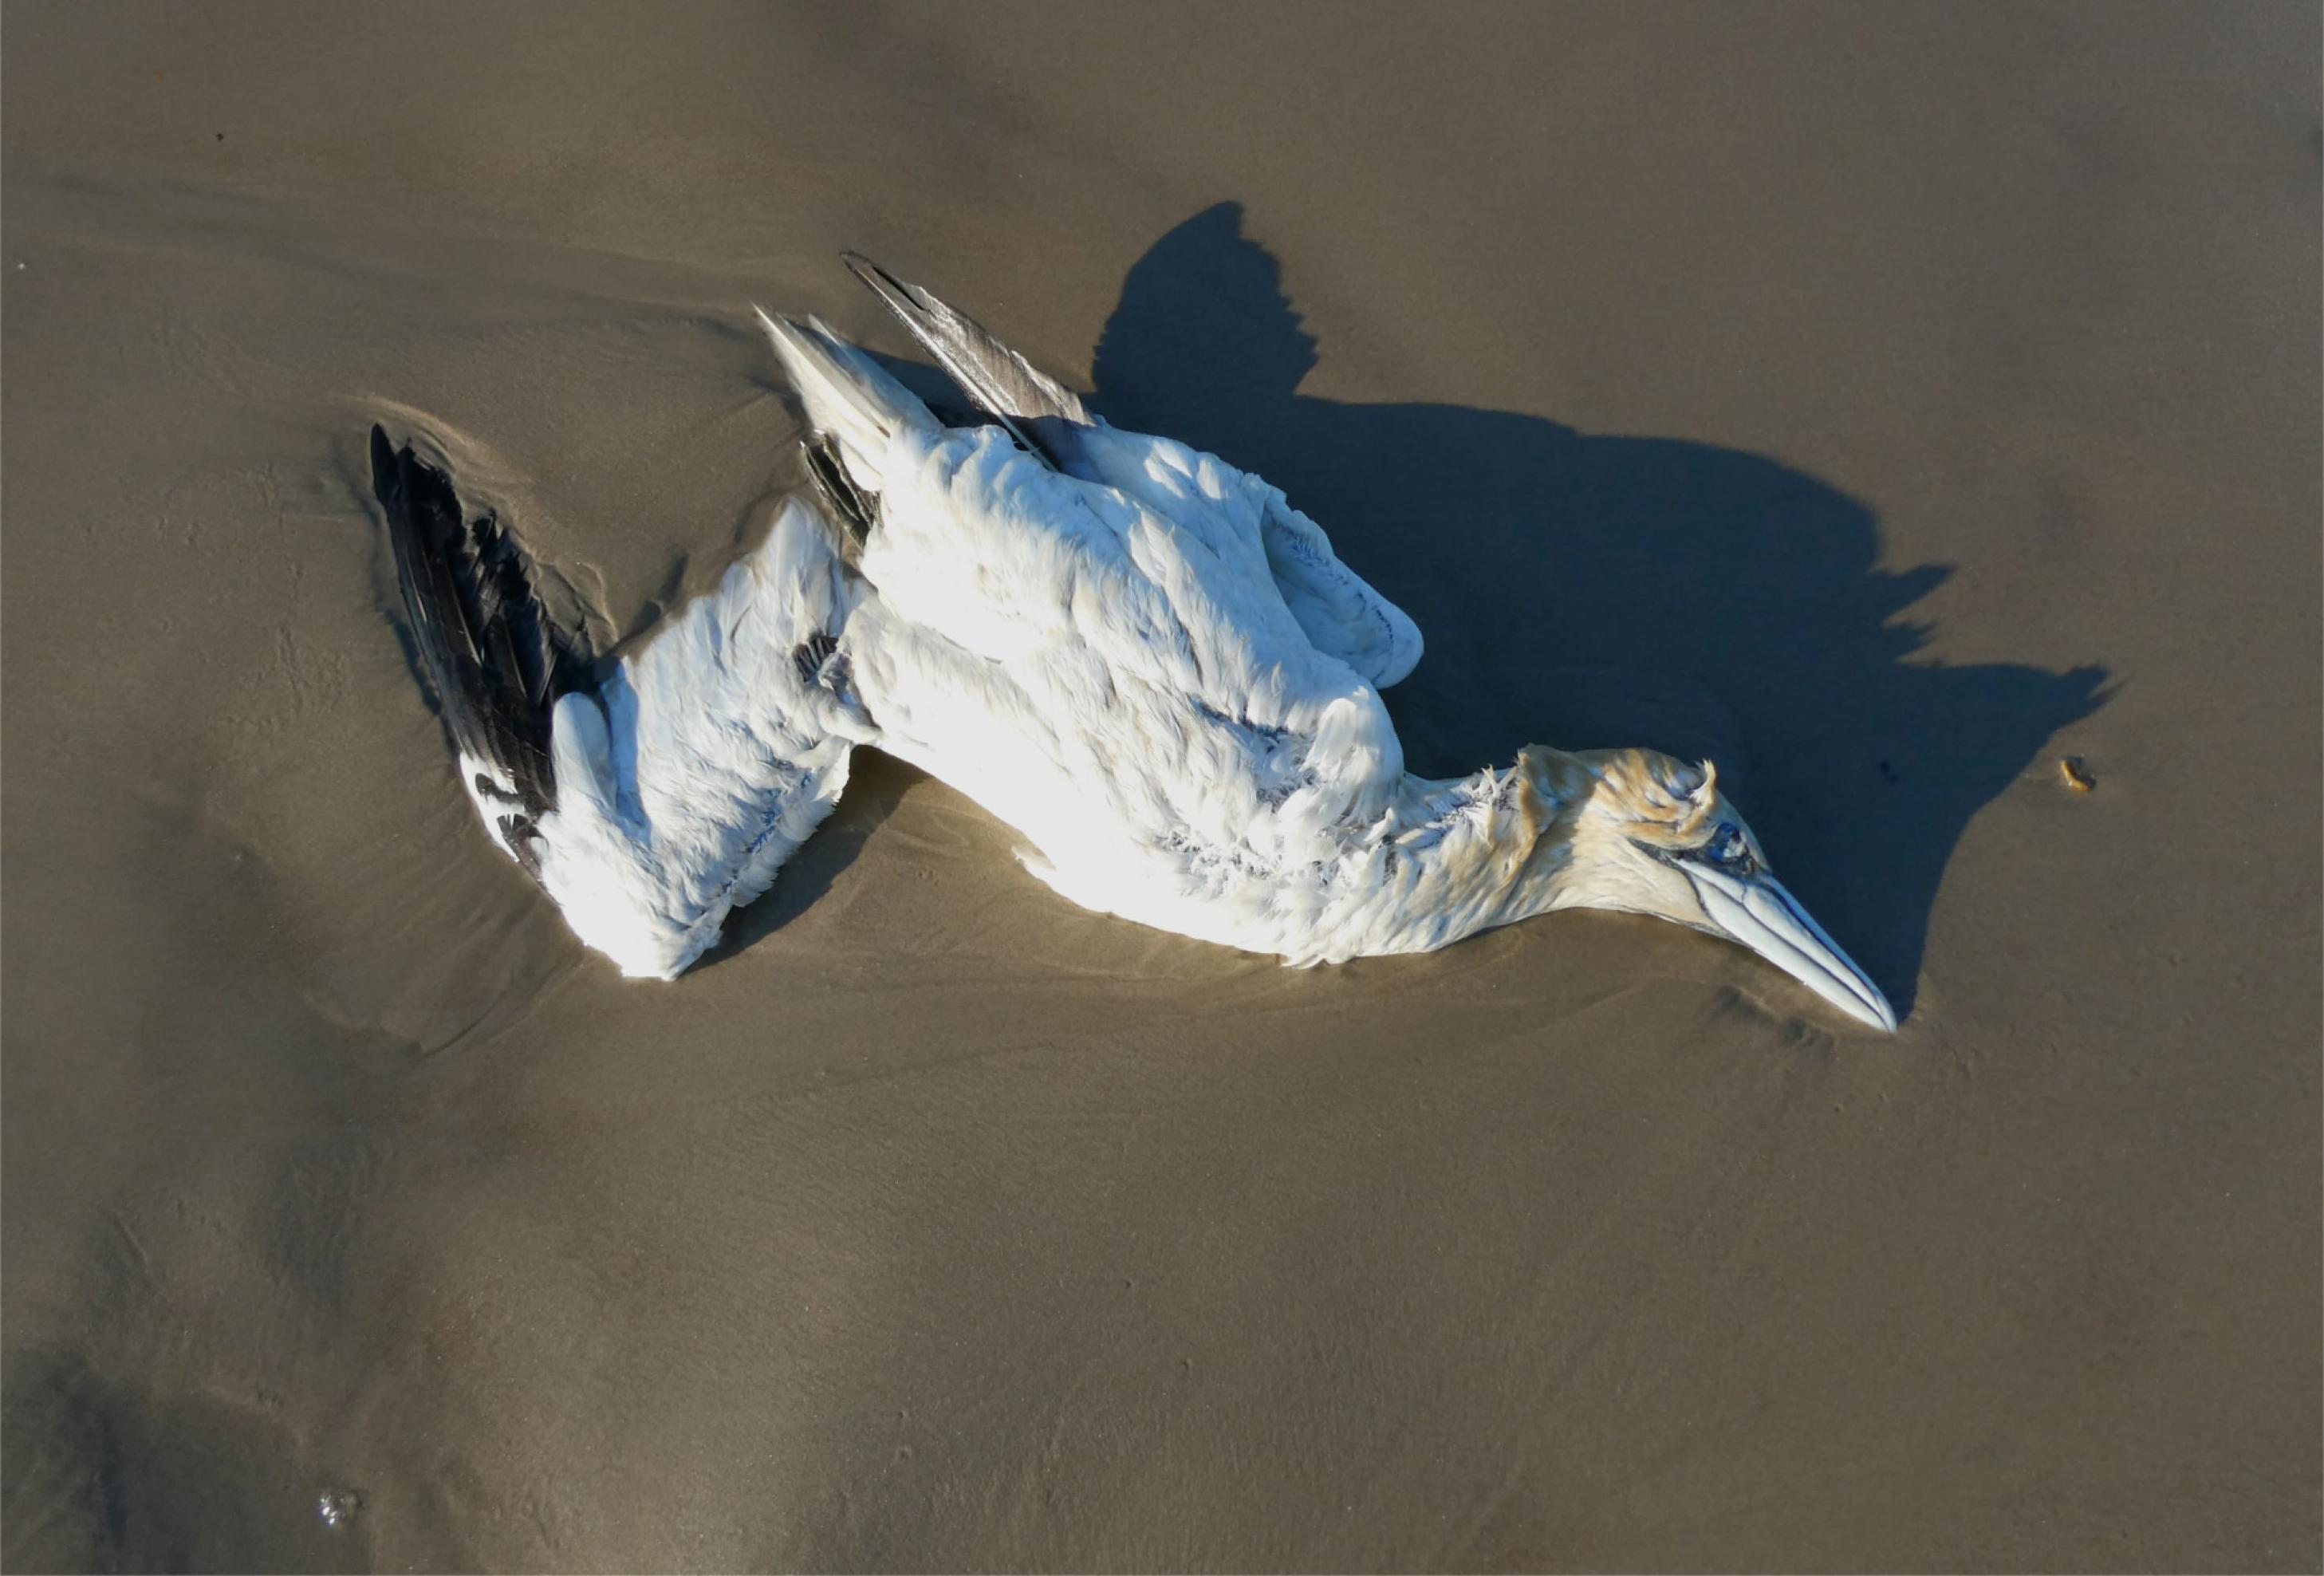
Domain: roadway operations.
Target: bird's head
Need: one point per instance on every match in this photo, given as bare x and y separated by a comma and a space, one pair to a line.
1645, 834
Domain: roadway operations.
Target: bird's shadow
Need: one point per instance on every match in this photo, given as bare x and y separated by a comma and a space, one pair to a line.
1585, 590
876, 785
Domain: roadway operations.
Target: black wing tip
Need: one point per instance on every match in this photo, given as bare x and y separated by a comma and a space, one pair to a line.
496, 660
408, 487
855, 509
389, 482
907, 302
1000, 382
869, 272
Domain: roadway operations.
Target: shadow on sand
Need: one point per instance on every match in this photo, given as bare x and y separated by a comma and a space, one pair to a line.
1594, 591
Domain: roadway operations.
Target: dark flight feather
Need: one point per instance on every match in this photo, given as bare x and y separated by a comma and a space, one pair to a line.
855, 509
1009, 388
496, 660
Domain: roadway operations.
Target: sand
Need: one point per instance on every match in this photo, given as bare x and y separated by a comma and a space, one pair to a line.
1887, 401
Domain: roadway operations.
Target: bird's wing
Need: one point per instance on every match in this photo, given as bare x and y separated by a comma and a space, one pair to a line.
1338, 608
1339, 612
1146, 649
1159, 589
1003, 383
649, 804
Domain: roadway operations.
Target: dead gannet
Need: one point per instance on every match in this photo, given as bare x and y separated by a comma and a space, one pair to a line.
1142, 659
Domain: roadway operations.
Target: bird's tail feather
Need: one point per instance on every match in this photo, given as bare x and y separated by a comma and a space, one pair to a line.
1003, 383
846, 396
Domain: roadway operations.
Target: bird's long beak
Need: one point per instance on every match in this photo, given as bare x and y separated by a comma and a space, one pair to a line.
1757, 911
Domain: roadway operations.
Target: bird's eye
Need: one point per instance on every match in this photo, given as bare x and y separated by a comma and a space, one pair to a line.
1727, 844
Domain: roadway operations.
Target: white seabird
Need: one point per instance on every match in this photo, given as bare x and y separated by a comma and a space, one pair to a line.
1140, 657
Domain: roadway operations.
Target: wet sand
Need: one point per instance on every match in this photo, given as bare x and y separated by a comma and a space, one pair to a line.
1889, 401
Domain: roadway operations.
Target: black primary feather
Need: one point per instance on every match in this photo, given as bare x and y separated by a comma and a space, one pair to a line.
1006, 387
855, 508
496, 661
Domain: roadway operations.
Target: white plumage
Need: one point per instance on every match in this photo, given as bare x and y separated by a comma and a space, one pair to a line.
1103, 657
702, 763
1139, 657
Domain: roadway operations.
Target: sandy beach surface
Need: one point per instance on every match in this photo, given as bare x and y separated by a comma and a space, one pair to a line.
1886, 400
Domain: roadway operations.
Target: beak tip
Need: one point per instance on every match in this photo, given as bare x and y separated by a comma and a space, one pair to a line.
1759, 914
1868, 1005
1883, 1014
1874, 1014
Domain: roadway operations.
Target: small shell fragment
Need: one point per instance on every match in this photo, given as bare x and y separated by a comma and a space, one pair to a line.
2076, 775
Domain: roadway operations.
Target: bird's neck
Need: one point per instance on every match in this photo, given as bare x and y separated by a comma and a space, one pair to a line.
1469, 853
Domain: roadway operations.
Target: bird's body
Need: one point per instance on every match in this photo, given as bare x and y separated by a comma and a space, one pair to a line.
1139, 657
1114, 672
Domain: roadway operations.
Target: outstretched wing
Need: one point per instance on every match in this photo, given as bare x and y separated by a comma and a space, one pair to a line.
1339, 612
649, 804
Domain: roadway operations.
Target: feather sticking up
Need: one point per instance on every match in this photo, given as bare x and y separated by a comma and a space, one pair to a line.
1341, 612
845, 396
1006, 387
